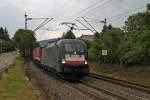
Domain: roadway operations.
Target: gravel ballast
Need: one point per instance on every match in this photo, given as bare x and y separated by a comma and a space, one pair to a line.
51, 88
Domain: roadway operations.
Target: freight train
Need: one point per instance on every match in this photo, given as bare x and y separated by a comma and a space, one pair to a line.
67, 57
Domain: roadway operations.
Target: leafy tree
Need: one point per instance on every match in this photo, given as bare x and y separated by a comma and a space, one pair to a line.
139, 21
25, 41
69, 35
110, 41
135, 49
93, 51
132, 24
96, 36
6, 43
6, 46
1, 32
4, 33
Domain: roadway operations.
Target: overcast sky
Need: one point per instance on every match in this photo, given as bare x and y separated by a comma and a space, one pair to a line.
12, 14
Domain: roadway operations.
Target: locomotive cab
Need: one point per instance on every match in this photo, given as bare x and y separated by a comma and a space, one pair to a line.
74, 60
74, 54
66, 57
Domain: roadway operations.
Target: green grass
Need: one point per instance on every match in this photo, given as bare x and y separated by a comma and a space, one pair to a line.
15, 86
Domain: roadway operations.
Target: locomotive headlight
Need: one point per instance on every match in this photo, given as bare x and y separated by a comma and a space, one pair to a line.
63, 61
86, 62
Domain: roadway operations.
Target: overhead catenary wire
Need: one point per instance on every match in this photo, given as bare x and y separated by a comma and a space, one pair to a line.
92, 5
116, 20
43, 23
40, 24
87, 8
60, 8
122, 16
116, 16
103, 7
100, 4
65, 9
126, 12
89, 24
113, 18
56, 12
84, 25
62, 11
93, 8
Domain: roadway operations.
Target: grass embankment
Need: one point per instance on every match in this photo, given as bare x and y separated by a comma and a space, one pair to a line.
136, 74
15, 86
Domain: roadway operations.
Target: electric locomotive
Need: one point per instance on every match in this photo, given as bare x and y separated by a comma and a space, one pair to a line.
67, 57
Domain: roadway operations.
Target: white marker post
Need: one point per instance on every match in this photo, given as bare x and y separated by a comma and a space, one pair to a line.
104, 54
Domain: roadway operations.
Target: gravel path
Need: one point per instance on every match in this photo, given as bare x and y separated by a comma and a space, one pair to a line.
7, 58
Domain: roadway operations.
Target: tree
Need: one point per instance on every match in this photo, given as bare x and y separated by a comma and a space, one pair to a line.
139, 21
1, 32
69, 35
136, 22
4, 34
108, 40
135, 48
96, 36
6, 43
25, 41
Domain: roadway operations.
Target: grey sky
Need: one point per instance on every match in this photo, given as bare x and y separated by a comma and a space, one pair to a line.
12, 13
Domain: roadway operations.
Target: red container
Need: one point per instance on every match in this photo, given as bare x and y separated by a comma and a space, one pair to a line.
37, 53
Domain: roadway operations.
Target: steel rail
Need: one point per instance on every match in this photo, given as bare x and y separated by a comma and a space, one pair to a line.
111, 93
121, 82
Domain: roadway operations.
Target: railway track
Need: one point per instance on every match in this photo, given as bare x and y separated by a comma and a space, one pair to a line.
83, 89
93, 88
117, 88
77, 86
105, 91
121, 82
93, 92
74, 84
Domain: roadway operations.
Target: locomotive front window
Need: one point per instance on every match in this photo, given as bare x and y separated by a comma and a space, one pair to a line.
70, 47
74, 47
80, 48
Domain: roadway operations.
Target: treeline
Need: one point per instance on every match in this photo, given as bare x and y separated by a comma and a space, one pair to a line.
6, 43
128, 45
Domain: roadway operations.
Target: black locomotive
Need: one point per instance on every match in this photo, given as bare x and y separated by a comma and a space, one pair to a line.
67, 57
